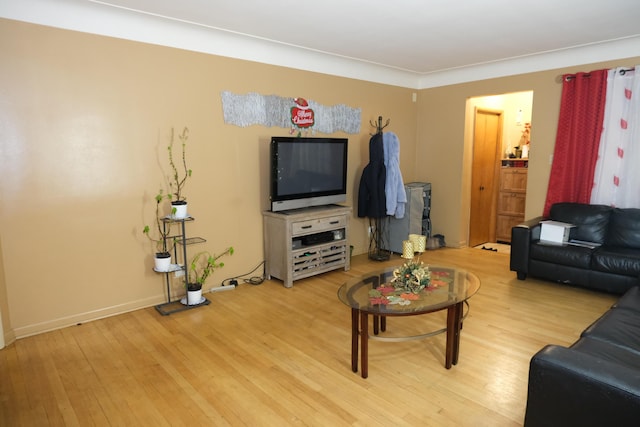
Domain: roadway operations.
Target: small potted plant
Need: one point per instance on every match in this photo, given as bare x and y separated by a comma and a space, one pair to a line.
179, 176
202, 265
164, 244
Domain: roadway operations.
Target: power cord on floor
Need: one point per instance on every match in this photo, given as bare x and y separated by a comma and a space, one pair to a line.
255, 280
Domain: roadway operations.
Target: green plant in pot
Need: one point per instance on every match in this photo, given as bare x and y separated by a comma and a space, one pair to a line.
164, 244
202, 265
179, 175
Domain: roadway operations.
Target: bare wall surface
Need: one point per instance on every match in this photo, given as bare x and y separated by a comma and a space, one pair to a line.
85, 125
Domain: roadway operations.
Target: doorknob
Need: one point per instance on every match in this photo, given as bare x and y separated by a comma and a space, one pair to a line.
482, 188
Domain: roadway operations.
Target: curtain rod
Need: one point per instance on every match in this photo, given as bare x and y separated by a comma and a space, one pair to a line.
624, 70
622, 73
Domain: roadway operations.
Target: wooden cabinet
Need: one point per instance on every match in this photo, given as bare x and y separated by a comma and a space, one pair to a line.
511, 201
304, 242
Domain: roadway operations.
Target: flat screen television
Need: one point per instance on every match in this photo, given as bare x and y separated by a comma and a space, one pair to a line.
307, 172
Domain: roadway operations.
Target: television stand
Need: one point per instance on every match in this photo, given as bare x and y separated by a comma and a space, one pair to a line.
304, 242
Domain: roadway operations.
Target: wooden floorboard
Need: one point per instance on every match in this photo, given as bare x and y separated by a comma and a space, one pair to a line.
265, 355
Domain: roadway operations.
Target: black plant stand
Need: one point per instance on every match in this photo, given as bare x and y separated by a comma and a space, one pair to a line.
174, 306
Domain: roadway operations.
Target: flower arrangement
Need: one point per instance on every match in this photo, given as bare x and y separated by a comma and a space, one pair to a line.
413, 276
407, 283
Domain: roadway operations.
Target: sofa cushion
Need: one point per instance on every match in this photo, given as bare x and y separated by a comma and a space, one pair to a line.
590, 220
572, 388
617, 327
630, 300
624, 228
574, 256
616, 260
606, 351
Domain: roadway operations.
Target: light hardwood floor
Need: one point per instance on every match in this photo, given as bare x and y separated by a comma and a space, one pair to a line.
269, 356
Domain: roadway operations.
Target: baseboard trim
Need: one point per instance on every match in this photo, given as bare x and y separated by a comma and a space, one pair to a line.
63, 322
9, 338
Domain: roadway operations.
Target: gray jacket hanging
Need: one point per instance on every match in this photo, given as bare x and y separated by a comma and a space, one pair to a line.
396, 196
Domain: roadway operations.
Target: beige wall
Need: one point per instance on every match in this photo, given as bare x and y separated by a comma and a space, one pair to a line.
84, 126
85, 123
443, 152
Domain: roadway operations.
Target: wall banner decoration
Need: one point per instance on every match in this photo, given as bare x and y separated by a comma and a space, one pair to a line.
271, 110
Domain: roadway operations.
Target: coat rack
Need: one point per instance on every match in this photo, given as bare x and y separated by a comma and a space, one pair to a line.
379, 125
377, 226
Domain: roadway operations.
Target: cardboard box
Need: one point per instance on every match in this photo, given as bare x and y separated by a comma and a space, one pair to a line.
555, 231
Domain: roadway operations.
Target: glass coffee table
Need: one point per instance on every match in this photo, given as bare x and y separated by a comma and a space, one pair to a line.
455, 287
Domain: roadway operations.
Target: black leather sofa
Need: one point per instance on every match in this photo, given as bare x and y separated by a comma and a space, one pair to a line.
596, 381
614, 266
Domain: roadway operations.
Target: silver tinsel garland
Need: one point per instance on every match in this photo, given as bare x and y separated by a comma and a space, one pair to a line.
272, 110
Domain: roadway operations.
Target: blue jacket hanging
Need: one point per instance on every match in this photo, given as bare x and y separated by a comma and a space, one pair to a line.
396, 195
371, 194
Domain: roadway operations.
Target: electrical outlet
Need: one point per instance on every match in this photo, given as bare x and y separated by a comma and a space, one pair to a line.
180, 273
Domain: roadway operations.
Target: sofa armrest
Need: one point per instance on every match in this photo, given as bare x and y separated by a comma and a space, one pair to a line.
571, 388
521, 237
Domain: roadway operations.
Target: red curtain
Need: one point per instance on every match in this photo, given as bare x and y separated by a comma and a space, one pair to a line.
578, 137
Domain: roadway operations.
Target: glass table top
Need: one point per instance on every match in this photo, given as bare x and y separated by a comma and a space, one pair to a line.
452, 286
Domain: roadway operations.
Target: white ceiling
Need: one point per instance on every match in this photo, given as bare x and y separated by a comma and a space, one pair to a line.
408, 42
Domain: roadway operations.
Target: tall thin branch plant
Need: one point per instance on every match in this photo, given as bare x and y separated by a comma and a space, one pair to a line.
179, 174
164, 244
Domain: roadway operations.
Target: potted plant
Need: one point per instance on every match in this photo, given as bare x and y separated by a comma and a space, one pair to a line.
164, 244
179, 176
202, 265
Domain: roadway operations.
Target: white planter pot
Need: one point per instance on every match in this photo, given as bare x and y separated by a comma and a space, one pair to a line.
162, 262
194, 297
180, 210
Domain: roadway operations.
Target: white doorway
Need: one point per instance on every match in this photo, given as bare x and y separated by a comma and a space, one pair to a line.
515, 109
